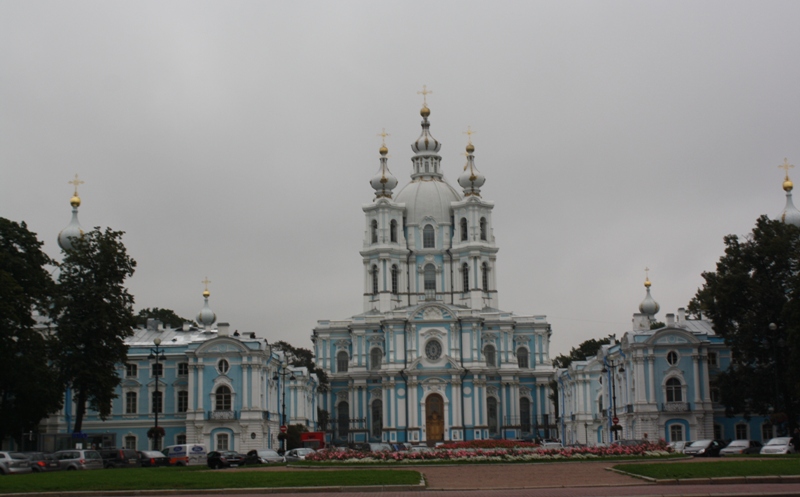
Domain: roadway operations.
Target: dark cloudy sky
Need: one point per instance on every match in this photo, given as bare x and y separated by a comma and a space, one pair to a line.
235, 140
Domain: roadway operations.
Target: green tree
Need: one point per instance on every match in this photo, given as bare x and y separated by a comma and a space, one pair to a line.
94, 315
166, 316
301, 357
585, 350
752, 301
29, 390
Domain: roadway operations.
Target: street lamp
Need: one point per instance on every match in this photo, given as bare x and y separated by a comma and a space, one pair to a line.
586, 433
282, 371
615, 427
157, 354
781, 404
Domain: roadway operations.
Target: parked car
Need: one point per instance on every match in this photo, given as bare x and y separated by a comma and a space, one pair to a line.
152, 459
704, 448
779, 445
186, 454
41, 461
741, 447
263, 456
678, 447
119, 458
72, 459
551, 445
12, 463
298, 454
225, 459
633, 442
421, 448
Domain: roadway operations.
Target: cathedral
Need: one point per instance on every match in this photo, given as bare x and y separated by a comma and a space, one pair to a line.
431, 357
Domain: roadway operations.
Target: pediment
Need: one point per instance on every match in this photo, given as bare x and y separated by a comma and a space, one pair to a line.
222, 346
672, 336
433, 312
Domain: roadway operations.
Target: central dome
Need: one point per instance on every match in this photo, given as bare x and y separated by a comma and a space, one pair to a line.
427, 197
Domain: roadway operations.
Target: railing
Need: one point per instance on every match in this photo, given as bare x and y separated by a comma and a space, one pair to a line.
222, 415
676, 407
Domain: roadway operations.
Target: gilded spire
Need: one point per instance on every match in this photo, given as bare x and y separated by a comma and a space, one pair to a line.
75, 201
648, 306
73, 229
790, 214
425, 112
787, 183
471, 180
647, 277
206, 281
383, 134
383, 182
206, 317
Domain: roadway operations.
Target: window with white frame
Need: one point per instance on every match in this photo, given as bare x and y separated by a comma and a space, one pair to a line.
130, 442
377, 418
674, 390
741, 431
158, 402
393, 231
343, 418
489, 354
223, 400
492, 415
375, 356
374, 231
676, 433
430, 278
131, 403
342, 359
465, 277
374, 280
223, 366
463, 229
672, 357
522, 357
183, 369
428, 237
131, 370
222, 441
158, 370
395, 275
183, 401
483, 228
767, 432
180, 439
485, 276
525, 414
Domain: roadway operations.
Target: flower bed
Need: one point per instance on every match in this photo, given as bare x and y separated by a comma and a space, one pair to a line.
494, 452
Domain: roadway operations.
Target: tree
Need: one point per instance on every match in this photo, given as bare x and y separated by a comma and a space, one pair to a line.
752, 301
166, 316
304, 358
29, 390
94, 315
585, 350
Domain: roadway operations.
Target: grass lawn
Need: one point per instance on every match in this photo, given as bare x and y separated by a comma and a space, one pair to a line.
197, 478
762, 467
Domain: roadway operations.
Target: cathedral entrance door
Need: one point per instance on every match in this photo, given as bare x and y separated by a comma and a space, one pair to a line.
434, 418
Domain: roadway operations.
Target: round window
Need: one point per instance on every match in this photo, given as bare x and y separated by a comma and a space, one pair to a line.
433, 350
672, 357
223, 366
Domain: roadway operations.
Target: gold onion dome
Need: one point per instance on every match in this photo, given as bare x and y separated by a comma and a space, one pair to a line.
383, 150
470, 148
75, 201
647, 283
649, 306
206, 293
425, 111
788, 185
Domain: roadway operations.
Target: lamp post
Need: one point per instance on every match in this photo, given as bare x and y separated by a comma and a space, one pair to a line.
612, 366
157, 354
283, 372
781, 400
586, 433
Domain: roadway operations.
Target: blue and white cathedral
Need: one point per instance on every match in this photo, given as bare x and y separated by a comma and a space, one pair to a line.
432, 357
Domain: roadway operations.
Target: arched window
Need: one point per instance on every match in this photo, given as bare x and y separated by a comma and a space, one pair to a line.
183, 401
223, 441
374, 280
393, 231
343, 418
522, 357
491, 411
525, 414
158, 402
485, 276
674, 390
428, 238
130, 442
375, 356
465, 276
374, 231
491, 360
342, 358
222, 399
430, 281
676, 433
395, 275
483, 228
463, 229
130, 402
377, 418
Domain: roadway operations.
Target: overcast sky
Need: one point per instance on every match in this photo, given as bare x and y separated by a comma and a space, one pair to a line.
235, 140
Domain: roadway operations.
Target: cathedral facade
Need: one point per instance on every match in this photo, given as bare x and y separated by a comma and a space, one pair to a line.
431, 357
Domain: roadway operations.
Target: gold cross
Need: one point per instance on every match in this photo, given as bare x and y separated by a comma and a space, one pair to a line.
425, 92
75, 182
206, 282
786, 166
383, 134
469, 134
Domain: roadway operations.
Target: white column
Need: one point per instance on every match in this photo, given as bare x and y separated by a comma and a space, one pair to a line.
192, 396
245, 392
696, 371
201, 401
651, 397
706, 380
394, 405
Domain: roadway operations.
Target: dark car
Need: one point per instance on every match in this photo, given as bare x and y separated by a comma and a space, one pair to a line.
152, 459
704, 448
119, 458
263, 456
41, 461
741, 447
225, 459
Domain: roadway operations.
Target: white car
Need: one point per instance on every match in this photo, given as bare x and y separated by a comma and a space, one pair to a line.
678, 446
14, 463
779, 445
297, 454
741, 447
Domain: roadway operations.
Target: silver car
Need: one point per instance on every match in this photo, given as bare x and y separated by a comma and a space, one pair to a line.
779, 445
73, 459
297, 454
12, 463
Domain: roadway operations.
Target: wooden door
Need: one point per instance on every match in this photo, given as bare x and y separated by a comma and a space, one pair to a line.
434, 418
